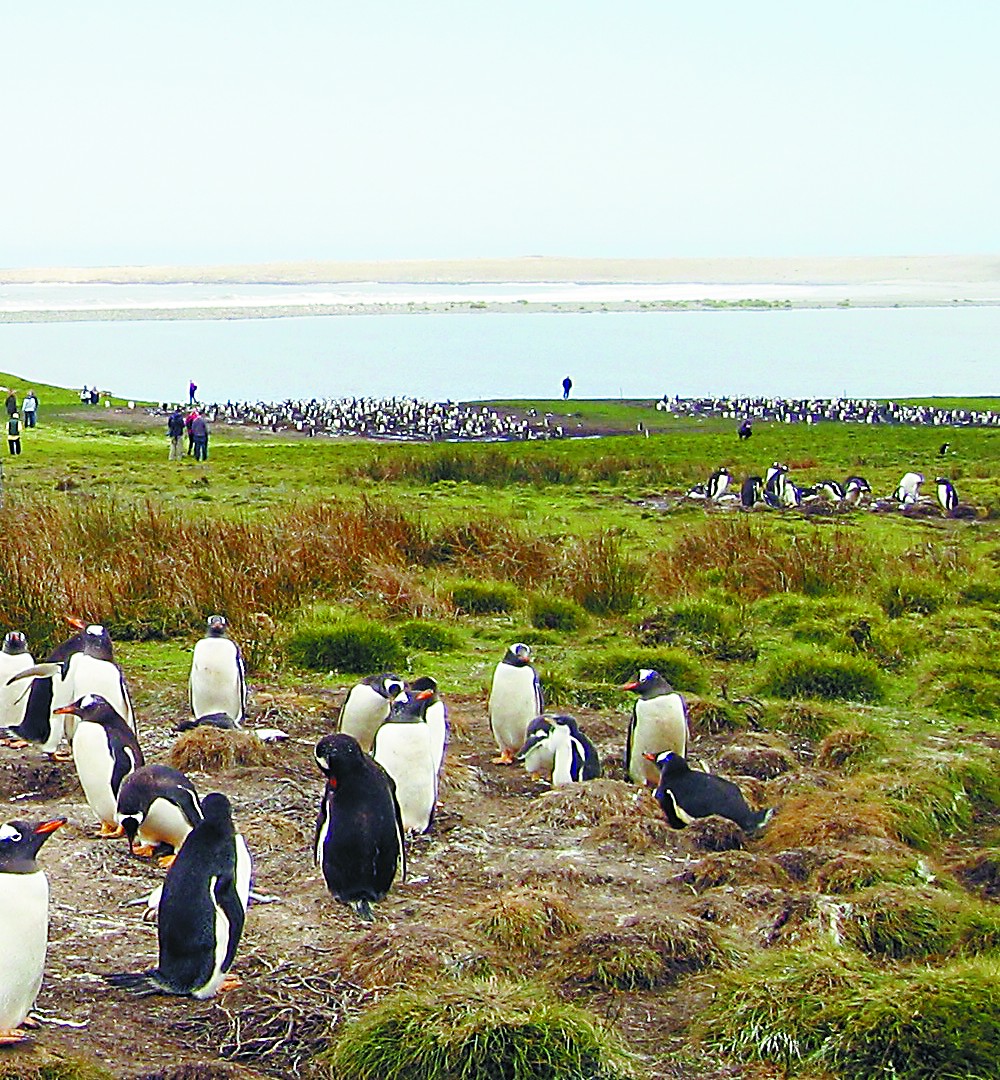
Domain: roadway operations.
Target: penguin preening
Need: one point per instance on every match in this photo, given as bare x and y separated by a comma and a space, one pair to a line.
515, 700
685, 794
367, 705
659, 723
24, 922
14, 658
157, 805
358, 840
947, 496
409, 751
557, 749
218, 677
202, 910
105, 751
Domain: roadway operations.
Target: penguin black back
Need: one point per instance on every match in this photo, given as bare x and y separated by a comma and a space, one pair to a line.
685, 794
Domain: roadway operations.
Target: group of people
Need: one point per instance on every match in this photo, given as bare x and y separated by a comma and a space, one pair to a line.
195, 426
29, 406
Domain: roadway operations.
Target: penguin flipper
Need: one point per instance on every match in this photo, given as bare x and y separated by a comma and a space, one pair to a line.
140, 983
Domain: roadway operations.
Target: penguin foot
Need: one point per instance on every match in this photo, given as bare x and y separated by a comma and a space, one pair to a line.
230, 982
61, 756
166, 861
12, 1038
14, 744
144, 851
505, 758
110, 832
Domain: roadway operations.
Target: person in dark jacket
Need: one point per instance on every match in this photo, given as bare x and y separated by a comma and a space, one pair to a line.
14, 433
175, 431
11, 403
199, 437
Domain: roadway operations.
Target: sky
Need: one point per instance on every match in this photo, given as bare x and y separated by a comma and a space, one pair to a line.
220, 131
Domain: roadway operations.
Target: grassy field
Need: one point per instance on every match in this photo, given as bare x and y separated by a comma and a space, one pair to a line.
841, 666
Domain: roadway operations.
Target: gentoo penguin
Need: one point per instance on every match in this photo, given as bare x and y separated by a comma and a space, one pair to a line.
201, 912
24, 921
359, 830
685, 794
751, 492
105, 751
909, 488
367, 705
436, 716
856, 489
718, 484
14, 658
218, 677
829, 489
557, 749
408, 750
515, 700
775, 484
659, 723
157, 805
947, 497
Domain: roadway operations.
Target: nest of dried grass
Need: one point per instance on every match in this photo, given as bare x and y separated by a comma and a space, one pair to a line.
459, 780
637, 831
715, 833
734, 868
211, 750
837, 818
411, 954
596, 802
525, 918
761, 761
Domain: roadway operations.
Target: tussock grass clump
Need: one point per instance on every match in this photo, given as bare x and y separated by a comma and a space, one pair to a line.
814, 673
594, 803
986, 593
810, 719
525, 919
37, 1063
716, 715
734, 868
706, 625
851, 871
357, 646
211, 750
965, 684
468, 1030
912, 596
484, 597
835, 818
602, 576
394, 955
429, 636
622, 665
556, 613
848, 749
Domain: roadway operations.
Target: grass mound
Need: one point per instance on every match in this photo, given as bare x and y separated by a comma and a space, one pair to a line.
525, 919
847, 749
484, 597
403, 956
469, 1030
594, 803
816, 673
36, 1063
357, 646
429, 636
852, 871
680, 669
556, 613
211, 750
837, 818
734, 868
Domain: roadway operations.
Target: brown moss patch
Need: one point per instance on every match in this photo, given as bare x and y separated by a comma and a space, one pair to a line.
210, 750
835, 818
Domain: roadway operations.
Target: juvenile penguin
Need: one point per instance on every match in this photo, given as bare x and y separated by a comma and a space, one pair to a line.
409, 752
201, 912
557, 749
105, 751
659, 722
14, 658
685, 794
359, 830
218, 677
947, 496
24, 921
367, 705
515, 700
157, 805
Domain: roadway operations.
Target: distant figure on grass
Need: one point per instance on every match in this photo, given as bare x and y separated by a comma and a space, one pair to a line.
745, 429
11, 403
199, 437
192, 392
188, 421
175, 432
29, 407
14, 434
567, 386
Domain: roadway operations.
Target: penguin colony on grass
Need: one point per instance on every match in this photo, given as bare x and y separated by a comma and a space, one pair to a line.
371, 797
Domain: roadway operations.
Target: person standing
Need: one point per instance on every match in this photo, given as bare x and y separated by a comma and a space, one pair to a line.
14, 434
567, 386
199, 437
192, 391
175, 430
11, 404
29, 407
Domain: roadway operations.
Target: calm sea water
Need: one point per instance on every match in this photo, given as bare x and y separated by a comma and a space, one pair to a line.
863, 352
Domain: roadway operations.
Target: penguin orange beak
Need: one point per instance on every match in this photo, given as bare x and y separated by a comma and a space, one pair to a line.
423, 695
650, 757
50, 826
629, 686
70, 710
75, 622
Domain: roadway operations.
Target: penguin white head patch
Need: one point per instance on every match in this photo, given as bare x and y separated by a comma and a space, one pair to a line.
519, 649
96, 629
645, 673
91, 699
9, 833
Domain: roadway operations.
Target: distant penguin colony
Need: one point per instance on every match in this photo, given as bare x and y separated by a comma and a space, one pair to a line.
659, 723
218, 677
515, 700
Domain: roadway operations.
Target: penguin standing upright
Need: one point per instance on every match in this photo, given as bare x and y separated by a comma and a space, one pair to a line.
408, 750
436, 717
659, 723
547, 752
24, 921
202, 910
367, 705
718, 484
157, 805
218, 678
751, 492
515, 700
359, 830
947, 496
14, 658
105, 751
685, 794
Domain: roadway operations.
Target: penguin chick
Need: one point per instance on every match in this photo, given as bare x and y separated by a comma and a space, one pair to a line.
24, 917
685, 794
157, 805
358, 840
201, 911
367, 705
542, 743
659, 722
105, 751
515, 700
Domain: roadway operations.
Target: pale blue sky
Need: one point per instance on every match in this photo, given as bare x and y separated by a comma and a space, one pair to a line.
217, 131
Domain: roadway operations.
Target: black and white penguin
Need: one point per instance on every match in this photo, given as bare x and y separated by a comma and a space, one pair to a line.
105, 751
367, 705
856, 490
775, 486
558, 750
218, 676
751, 492
14, 658
91, 638
685, 794
157, 805
359, 830
24, 921
202, 910
515, 700
659, 723
908, 490
436, 716
829, 489
410, 753
718, 484
947, 496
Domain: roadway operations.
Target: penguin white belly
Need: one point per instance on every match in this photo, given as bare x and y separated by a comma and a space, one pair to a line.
567, 759
13, 698
660, 725
216, 679
244, 870
94, 767
437, 726
540, 760
513, 705
211, 987
164, 822
88, 675
364, 711
24, 913
404, 751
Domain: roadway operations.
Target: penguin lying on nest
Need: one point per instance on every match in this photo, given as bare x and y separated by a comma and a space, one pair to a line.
685, 794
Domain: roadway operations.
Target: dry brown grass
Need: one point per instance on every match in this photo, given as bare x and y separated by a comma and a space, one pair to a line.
596, 802
525, 919
837, 818
212, 750
846, 749
734, 868
406, 955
